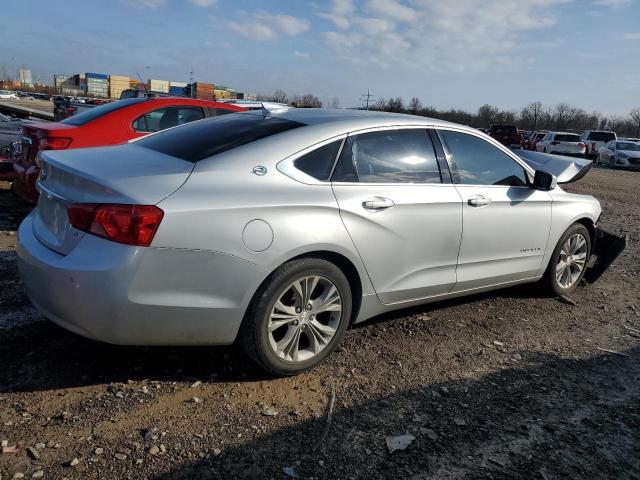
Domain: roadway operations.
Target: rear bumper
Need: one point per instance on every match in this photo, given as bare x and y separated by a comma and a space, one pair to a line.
138, 296
607, 247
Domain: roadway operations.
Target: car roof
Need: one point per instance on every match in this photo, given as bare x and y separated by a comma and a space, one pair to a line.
350, 120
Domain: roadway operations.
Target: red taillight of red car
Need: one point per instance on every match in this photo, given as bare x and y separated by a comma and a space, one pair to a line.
128, 224
54, 143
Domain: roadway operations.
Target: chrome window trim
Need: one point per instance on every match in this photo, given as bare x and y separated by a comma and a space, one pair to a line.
288, 168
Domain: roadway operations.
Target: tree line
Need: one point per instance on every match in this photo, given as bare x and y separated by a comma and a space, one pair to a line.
535, 116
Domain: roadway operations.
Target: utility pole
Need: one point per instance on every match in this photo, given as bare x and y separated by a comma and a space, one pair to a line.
366, 97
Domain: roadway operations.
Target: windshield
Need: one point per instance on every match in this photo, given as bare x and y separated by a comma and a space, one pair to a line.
97, 112
602, 136
629, 146
203, 139
567, 138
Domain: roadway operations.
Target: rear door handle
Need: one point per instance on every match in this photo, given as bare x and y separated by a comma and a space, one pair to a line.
377, 204
478, 201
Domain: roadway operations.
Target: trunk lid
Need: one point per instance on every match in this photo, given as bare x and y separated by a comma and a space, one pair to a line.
565, 169
125, 174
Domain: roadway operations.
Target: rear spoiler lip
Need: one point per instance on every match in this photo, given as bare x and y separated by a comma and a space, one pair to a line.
565, 169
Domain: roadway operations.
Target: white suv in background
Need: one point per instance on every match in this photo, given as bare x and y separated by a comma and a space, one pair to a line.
562, 143
595, 140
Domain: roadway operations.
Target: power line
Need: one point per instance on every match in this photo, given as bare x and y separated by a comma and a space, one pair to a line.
367, 98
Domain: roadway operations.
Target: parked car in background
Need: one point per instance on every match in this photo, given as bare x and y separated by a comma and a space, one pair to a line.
619, 153
256, 105
10, 131
108, 124
562, 143
595, 140
282, 229
530, 144
65, 107
508, 135
6, 95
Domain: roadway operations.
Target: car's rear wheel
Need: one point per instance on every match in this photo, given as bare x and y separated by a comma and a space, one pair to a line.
298, 317
569, 260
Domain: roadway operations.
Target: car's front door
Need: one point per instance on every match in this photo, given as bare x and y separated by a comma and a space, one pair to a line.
405, 222
506, 223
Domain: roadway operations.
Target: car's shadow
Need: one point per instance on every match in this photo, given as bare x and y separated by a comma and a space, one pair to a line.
37, 355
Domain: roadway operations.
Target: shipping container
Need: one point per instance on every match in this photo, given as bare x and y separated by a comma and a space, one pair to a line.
100, 76
177, 84
203, 91
117, 85
174, 90
158, 86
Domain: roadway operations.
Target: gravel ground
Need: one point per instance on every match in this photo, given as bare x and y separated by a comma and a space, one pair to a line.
510, 384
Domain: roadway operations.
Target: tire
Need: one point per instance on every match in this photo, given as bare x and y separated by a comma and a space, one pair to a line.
298, 322
556, 285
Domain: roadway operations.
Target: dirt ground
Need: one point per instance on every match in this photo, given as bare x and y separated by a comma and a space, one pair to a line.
510, 384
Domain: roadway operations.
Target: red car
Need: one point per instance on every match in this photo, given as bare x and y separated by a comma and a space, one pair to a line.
108, 124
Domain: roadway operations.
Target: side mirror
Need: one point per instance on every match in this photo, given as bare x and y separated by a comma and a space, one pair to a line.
544, 181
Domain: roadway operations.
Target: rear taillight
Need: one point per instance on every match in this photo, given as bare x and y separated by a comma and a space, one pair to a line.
54, 143
70, 111
128, 224
581, 145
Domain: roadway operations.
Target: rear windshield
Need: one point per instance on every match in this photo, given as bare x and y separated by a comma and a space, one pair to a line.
203, 139
504, 129
97, 112
567, 138
602, 136
629, 146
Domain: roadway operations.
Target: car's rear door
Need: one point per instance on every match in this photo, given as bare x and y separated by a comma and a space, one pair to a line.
405, 221
506, 223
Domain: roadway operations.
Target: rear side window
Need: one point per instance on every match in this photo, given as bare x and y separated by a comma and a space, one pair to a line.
97, 112
480, 163
167, 117
212, 136
319, 163
390, 156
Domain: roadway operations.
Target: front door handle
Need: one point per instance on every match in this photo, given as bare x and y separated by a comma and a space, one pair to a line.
377, 204
478, 201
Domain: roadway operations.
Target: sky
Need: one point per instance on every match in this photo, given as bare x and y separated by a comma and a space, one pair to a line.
449, 53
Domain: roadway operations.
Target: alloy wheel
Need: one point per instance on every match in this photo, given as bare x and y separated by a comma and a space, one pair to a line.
572, 260
304, 318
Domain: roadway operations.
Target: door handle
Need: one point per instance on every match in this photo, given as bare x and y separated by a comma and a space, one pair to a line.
478, 201
377, 204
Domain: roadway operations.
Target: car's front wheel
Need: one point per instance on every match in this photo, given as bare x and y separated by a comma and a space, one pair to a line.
298, 317
569, 260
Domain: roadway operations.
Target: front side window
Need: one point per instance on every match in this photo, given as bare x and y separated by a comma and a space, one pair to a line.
319, 162
480, 163
390, 156
167, 117
214, 112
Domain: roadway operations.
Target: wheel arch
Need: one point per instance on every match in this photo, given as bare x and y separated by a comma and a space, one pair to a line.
590, 226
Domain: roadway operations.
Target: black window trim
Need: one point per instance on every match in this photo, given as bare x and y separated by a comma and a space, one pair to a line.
204, 115
529, 172
424, 128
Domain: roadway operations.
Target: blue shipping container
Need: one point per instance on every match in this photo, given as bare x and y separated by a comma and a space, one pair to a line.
97, 75
176, 90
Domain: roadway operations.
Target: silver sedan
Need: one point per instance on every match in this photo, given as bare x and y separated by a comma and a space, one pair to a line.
281, 229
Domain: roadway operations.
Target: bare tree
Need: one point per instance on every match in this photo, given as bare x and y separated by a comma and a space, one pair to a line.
487, 115
335, 103
280, 96
415, 105
381, 105
635, 118
395, 105
530, 115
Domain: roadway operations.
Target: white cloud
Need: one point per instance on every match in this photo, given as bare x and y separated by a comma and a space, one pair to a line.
204, 3
456, 35
612, 3
302, 55
149, 4
265, 27
629, 36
